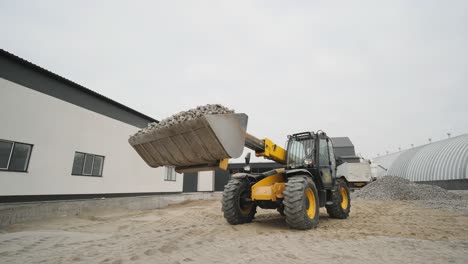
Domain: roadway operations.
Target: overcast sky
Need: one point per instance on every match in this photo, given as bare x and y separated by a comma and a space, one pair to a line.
387, 74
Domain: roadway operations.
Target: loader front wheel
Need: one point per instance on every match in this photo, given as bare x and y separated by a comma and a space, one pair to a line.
341, 204
238, 208
301, 203
281, 211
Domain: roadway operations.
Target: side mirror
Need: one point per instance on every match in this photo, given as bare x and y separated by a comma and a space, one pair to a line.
247, 162
247, 159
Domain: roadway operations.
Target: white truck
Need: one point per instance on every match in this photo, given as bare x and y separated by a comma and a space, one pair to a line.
356, 175
355, 170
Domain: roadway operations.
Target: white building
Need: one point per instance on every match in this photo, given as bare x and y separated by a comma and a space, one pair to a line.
60, 140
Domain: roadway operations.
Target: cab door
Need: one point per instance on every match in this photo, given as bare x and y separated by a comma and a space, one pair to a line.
331, 151
326, 166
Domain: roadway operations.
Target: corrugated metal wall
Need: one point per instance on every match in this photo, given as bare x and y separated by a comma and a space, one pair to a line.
443, 160
385, 162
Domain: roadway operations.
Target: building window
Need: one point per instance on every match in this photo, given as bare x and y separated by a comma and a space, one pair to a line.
86, 164
14, 156
170, 174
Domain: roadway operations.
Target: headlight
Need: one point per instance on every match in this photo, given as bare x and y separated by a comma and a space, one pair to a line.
247, 168
308, 161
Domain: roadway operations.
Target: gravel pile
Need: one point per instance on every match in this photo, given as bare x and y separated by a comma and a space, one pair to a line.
397, 188
209, 109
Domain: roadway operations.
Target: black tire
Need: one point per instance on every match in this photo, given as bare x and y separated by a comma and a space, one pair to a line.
301, 203
236, 204
281, 211
341, 205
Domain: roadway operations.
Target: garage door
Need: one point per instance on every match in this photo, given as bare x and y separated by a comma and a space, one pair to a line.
221, 179
190, 182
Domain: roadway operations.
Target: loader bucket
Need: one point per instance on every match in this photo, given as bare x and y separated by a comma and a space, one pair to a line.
198, 143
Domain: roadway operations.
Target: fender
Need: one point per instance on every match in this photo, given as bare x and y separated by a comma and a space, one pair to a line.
251, 177
240, 175
295, 172
257, 177
342, 177
317, 180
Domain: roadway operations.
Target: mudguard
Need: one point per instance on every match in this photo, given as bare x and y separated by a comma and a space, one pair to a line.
295, 172
292, 173
240, 175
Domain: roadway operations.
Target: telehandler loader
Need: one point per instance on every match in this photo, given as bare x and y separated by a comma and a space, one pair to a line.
306, 183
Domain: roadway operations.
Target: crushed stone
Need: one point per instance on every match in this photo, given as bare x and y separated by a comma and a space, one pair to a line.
397, 188
191, 114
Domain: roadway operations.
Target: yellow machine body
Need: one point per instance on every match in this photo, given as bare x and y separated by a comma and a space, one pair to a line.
272, 151
269, 188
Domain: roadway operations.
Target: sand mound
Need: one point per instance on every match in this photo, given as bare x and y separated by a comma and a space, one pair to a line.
397, 188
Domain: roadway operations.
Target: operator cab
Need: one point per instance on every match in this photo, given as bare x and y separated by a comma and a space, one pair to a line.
301, 150
312, 151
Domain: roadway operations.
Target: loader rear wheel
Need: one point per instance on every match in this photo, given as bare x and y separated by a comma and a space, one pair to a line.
341, 204
301, 203
238, 208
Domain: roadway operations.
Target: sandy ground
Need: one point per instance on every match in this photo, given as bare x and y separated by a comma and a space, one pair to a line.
195, 232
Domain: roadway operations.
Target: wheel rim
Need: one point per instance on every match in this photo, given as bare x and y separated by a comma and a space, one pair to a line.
344, 198
311, 207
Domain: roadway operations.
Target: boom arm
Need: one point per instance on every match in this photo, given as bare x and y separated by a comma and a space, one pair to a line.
265, 148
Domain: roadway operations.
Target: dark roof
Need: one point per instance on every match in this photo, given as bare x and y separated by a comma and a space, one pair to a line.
340, 142
30, 65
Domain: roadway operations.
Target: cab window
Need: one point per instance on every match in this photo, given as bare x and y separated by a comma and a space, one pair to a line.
323, 153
